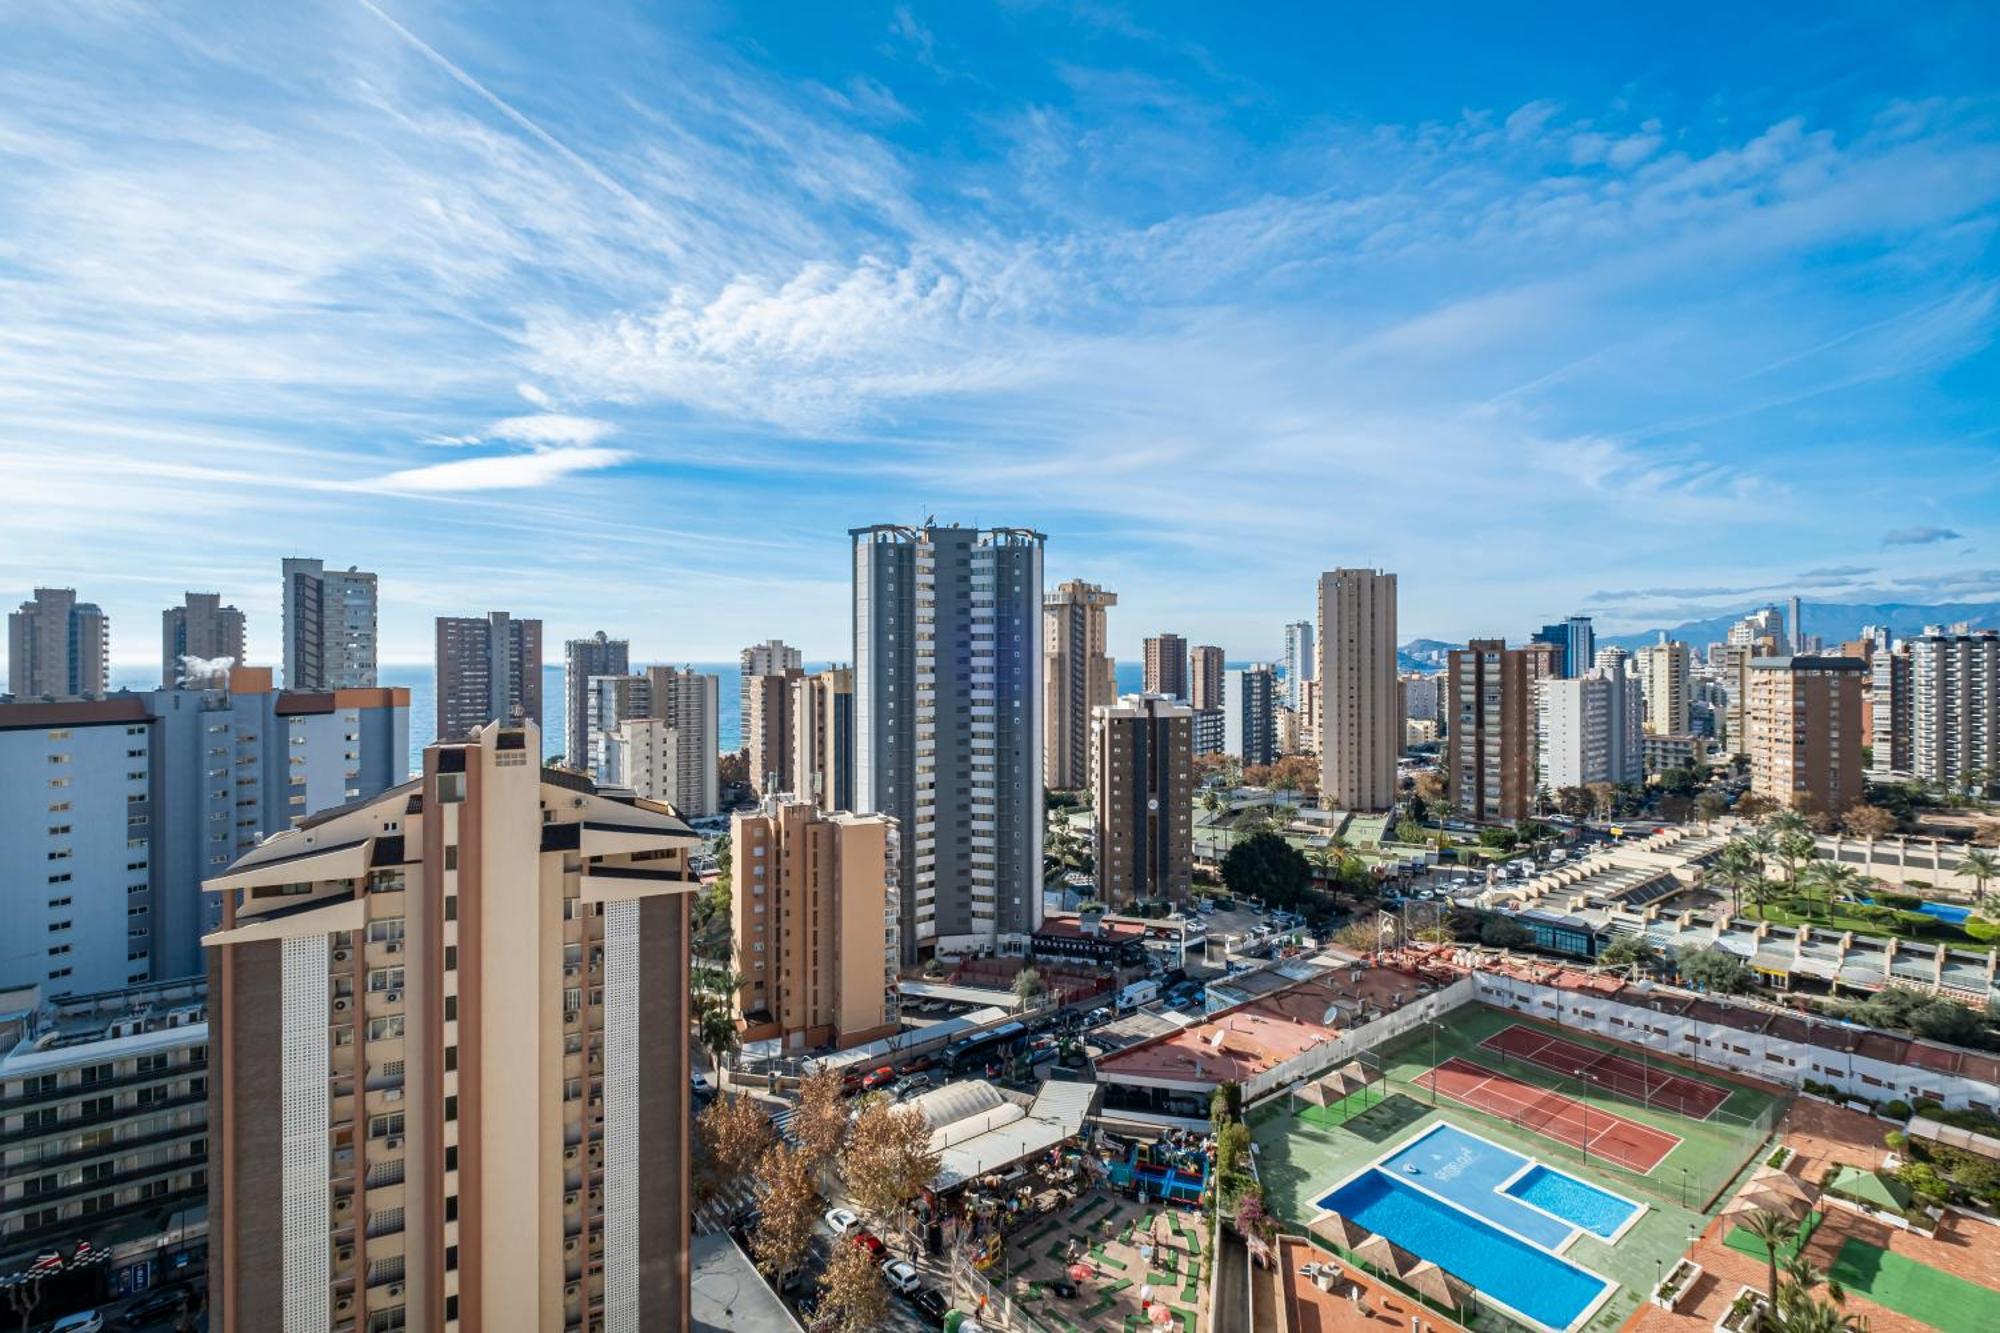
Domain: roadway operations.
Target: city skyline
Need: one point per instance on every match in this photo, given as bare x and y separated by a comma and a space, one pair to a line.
1634, 320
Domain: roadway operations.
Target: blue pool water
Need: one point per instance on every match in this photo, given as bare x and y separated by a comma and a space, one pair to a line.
1949, 913
1471, 1172
1547, 1289
1597, 1212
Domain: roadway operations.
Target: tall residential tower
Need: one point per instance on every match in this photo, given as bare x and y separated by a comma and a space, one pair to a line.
58, 647
1078, 677
489, 669
1361, 727
330, 627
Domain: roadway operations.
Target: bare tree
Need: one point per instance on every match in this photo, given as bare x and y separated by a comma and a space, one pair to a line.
889, 1159
853, 1298
789, 1204
734, 1134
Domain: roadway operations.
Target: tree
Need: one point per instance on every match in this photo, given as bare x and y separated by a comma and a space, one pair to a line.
1675, 808
1946, 1020
1795, 846
789, 1206
1633, 951
1028, 985
1409, 831
1736, 865
1775, 1231
1715, 969
1501, 932
1979, 865
1755, 805
853, 1297
819, 1119
1868, 821
1710, 806
1573, 801
734, 1134
1265, 866
1433, 787
1833, 880
1296, 772
889, 1160
715, 1012
1603, 798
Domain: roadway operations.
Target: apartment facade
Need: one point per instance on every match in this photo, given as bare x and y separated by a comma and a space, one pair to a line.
200, 640
1953, 720
1361, 731
947, 699
814, 909
773, 657
451, 1049
1805, 732
1300, 662
1491, 762
119, 807
1664, 677
1588, 729
822, 721
1575, 642
1167, 666
657, 734
329, 627
58, 647
598, 655
1250, 715
1078, 677
768, 735
1206, 670
1143, 783
489, 669
105, 1119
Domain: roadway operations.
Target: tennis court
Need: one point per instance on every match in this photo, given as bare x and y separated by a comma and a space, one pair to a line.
1599, 1133
1621, 1074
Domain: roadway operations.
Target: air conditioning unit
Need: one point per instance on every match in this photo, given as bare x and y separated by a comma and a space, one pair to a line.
395, 1289
569, 1154
340, 1004
342, 955
343, 1305
393, 1141
395, 997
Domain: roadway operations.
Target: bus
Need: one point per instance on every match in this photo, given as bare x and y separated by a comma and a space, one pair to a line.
981, 1049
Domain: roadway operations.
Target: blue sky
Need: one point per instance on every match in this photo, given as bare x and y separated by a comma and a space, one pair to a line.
622, 315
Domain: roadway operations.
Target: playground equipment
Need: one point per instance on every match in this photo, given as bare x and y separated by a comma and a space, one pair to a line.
989, 1254
1176, 1175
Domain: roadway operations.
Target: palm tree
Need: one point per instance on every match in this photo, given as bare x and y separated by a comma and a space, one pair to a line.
1810, 1316
1833, 880
714, 993
1979, 865
1735, 866
1775, 1230
1761, 845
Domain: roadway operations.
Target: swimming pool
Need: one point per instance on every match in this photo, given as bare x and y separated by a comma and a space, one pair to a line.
1537, 1203
1596, 1211
1950, 913
1526, 1278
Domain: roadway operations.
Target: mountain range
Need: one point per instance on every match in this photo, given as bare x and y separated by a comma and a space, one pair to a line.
1834, 622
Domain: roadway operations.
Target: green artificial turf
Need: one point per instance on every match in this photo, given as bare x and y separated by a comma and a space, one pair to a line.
1914, 1289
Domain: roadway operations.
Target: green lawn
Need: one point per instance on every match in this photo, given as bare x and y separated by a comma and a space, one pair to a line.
1301, 1156
1742, 1241
1813, 912
1912, 1289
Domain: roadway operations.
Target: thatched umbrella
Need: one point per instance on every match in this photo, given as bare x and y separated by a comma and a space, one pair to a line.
1755, 1200
1342, 1231
1779, 1181
1447, 1289
1385, 1256
1357, 1075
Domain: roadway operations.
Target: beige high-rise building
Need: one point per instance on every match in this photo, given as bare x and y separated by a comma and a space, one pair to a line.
1491, 759
449, 1059
1361, 730
1805, 732
489, 669
199, 641
1309, 724
1167, 666
1730, 665
813, 903
1142, 779
767, 729
58, 647
823, 738
1663, 670
773, 657
1078, 676
1206, 670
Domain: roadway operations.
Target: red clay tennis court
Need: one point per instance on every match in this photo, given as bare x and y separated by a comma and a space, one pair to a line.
1599, 1133
1649, 1085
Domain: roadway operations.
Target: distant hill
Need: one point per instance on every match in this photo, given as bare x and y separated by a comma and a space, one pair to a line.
1834, 622
1424, 655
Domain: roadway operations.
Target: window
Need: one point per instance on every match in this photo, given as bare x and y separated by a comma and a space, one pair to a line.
385, 1029
385, 979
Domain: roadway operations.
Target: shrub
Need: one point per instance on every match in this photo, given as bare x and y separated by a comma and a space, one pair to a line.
1982, 930
1896, 1109
1896, 1140
1924, 1179
1909, 902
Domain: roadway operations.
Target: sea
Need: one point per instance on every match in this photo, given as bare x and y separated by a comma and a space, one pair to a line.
420, 679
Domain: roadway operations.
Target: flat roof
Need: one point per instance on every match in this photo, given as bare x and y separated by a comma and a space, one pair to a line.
726, 1292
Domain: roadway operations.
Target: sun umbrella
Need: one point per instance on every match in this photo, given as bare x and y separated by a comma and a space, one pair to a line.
1342, 1231
1781, 1182
1753, 1200
1386, 1256
1427, 1279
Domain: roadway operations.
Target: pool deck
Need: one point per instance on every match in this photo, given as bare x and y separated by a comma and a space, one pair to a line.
1820, 1134
1357, 1303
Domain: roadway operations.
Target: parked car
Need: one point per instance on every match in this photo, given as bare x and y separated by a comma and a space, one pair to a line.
702, 1084
878, 1077
84, 1321
842, 1220
901, 1276
154, 1306
870, 1242
930, 1303
917, 1064
1096, 1016
914, 1085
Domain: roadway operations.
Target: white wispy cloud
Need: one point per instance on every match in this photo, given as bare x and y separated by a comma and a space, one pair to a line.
503, 472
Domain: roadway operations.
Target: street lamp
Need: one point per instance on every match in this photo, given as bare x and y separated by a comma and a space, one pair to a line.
1584, 1088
